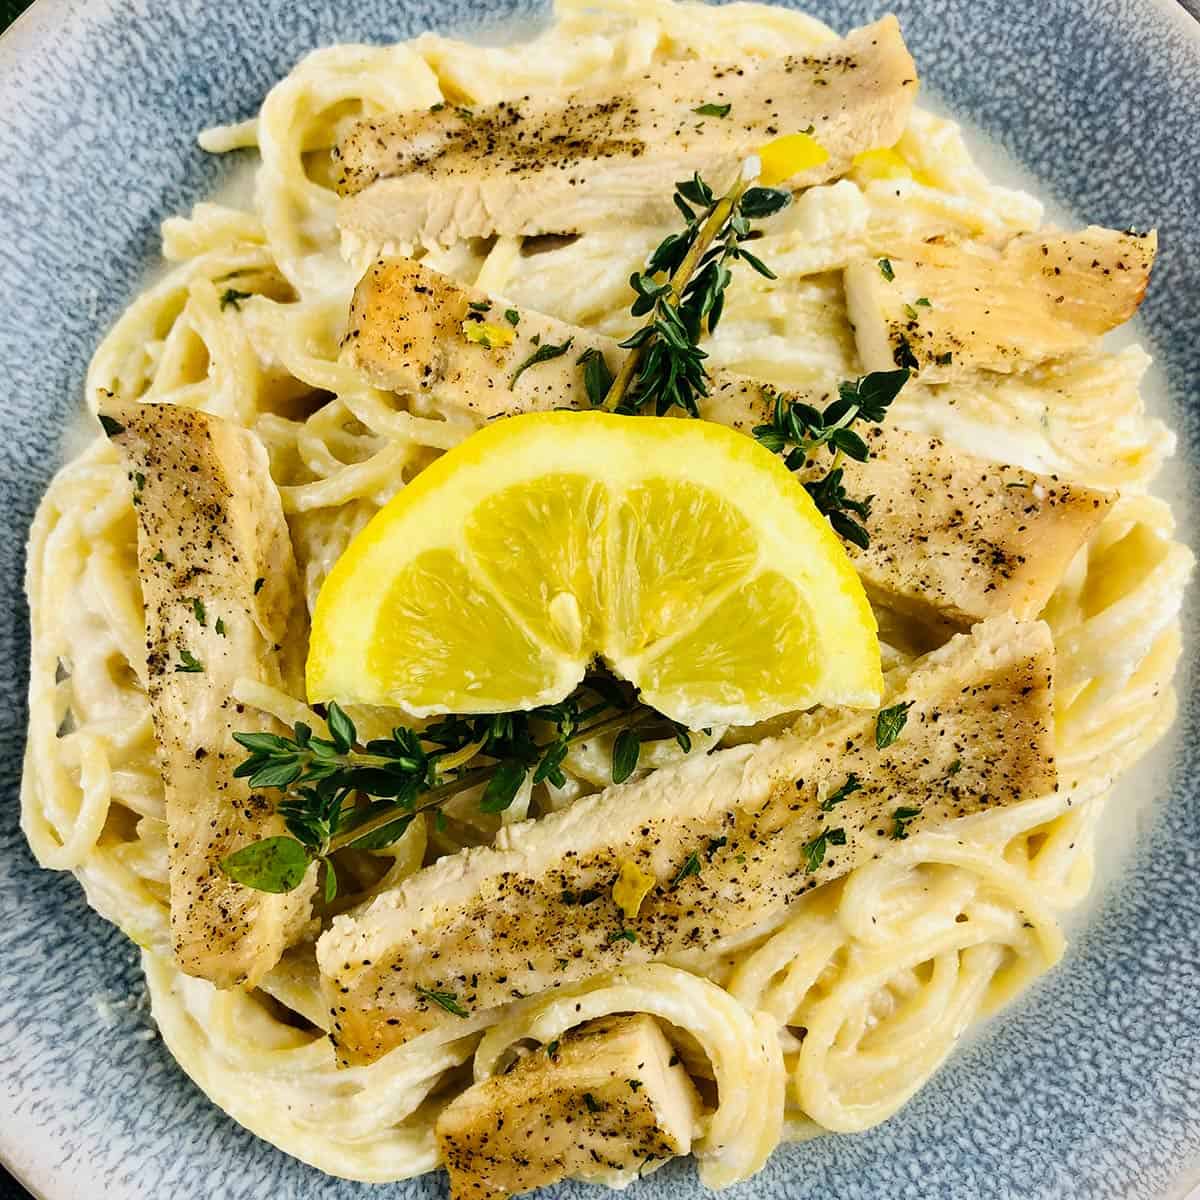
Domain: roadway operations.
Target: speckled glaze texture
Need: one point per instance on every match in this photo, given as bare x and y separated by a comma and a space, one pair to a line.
1089, 1088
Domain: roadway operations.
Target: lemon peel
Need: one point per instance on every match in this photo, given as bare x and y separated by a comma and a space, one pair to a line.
789, 155
884, 162
490, 337
632, 887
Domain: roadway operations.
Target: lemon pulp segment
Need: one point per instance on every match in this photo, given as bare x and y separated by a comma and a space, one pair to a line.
681, 552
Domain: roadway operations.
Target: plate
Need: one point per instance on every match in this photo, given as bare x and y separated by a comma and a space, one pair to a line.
1089, 1088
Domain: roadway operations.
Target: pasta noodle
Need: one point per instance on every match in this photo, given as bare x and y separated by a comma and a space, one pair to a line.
833, 1021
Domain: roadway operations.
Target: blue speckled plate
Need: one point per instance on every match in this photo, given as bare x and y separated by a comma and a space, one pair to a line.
1090, 1088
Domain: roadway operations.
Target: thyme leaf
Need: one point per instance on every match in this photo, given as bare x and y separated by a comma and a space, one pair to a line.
847, 789
691, 866
799, 431
276, 864
446, 1000
815, 851
889, 724
626, 751
540, 355
597, 378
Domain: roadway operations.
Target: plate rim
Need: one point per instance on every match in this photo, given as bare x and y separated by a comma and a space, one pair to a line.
34, 23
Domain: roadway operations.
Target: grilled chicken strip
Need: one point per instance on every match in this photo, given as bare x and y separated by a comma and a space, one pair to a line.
730, 839
551, 164
608, 1097
962, 308
952, 536
223, 600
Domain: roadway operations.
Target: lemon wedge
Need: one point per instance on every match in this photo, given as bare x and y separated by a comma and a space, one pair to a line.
683, 553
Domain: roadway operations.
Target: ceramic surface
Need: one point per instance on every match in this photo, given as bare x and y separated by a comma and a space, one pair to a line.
1089, 1088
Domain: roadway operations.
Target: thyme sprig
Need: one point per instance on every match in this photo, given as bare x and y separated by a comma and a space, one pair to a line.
338, 794
798, 431
682, 290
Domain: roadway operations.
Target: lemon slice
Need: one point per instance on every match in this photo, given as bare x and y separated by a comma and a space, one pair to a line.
683, 553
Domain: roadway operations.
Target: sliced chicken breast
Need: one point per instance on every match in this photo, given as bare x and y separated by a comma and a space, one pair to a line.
223, 601
962, 308
958, 538
727, 841
602, 1102
952, 536
552, 164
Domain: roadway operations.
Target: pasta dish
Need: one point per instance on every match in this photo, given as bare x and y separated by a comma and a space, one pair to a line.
599, 611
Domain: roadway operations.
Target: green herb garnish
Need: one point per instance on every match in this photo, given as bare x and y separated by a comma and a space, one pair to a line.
623, 935
903, 817
446, 1000
814, 851
188, 663
691, 866
885, 269
331, 882
626, 751
276, 864
713, 110
540, 355
503, 786
798, 430
597, 378
665, 368
258, 584
326, 780
512, 317
843, 793
889, 724
111, 428
219, 627
198, 612
593, 1105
